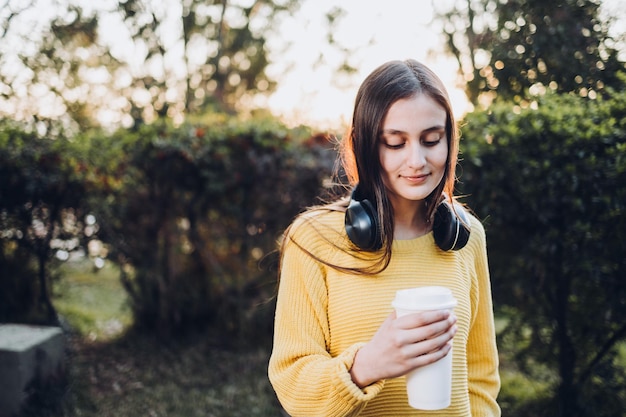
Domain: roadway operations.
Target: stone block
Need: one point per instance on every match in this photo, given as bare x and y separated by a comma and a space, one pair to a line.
28, 355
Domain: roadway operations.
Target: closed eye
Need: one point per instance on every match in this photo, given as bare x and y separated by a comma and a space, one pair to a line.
393, 139
431, 143
394, 146
433, 137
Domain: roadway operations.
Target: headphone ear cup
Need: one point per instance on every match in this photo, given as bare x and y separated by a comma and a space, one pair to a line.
361, 223
450, 232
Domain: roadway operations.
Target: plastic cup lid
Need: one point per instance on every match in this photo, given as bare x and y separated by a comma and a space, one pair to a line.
424, 298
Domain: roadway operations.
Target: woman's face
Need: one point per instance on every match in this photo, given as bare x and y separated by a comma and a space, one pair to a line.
413, 149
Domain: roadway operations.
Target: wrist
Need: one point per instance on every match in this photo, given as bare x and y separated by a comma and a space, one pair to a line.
359, 372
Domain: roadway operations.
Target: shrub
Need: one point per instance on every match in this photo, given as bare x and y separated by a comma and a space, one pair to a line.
41, 193
550, 184
193, 213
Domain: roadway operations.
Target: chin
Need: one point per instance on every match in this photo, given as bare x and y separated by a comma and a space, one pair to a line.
417, 195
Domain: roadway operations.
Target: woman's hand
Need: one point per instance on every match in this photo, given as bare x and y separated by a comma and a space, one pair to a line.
402, 344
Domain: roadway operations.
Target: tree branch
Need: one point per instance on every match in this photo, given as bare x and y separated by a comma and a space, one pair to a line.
7, 23
617, 336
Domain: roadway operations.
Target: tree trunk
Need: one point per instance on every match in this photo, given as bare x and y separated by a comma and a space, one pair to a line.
44, 294
567, 391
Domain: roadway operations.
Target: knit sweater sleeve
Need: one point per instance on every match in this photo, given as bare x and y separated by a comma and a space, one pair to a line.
482, 354
307, 379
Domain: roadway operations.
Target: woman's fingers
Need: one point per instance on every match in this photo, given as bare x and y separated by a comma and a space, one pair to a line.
431, 357
428, 347
423, 318
402, 344
419, 327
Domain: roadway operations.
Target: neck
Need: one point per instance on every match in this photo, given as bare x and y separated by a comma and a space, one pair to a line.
410, 220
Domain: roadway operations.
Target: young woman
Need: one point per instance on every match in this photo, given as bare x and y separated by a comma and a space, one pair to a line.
339, 349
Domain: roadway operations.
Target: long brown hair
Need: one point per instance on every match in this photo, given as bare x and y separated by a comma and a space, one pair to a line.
359, 149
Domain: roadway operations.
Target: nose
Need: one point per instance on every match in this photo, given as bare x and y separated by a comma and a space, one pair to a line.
417, 156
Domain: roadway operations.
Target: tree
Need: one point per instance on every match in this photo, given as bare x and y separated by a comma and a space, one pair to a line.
191, 212
167, 58
41, 194
224, 53
53, 74
555, 219
516, 49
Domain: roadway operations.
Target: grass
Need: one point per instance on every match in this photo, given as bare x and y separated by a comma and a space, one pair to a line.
142, 377
112, 372
91, 300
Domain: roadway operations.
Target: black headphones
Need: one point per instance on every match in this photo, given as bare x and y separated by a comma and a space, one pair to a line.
361, 222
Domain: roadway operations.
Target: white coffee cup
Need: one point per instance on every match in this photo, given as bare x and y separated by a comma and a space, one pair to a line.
428, 387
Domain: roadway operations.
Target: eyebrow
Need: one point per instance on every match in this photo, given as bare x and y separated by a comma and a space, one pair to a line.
427, 130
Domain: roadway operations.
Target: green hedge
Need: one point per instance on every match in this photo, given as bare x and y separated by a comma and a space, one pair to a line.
550, 185
192, 214
41, 192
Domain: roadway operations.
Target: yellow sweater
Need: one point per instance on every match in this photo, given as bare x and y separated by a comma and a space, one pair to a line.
324, 316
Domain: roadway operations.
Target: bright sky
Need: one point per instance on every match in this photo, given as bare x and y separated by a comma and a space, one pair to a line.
311, 93
309, 89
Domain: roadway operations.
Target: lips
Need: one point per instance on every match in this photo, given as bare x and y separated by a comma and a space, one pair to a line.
416, 178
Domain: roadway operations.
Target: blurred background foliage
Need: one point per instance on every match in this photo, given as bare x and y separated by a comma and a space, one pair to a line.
133, 61
178, 187
516, 49
549, 185
190, 214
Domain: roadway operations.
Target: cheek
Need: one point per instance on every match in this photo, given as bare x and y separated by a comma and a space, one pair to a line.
382, 158
440, 157
389, 161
